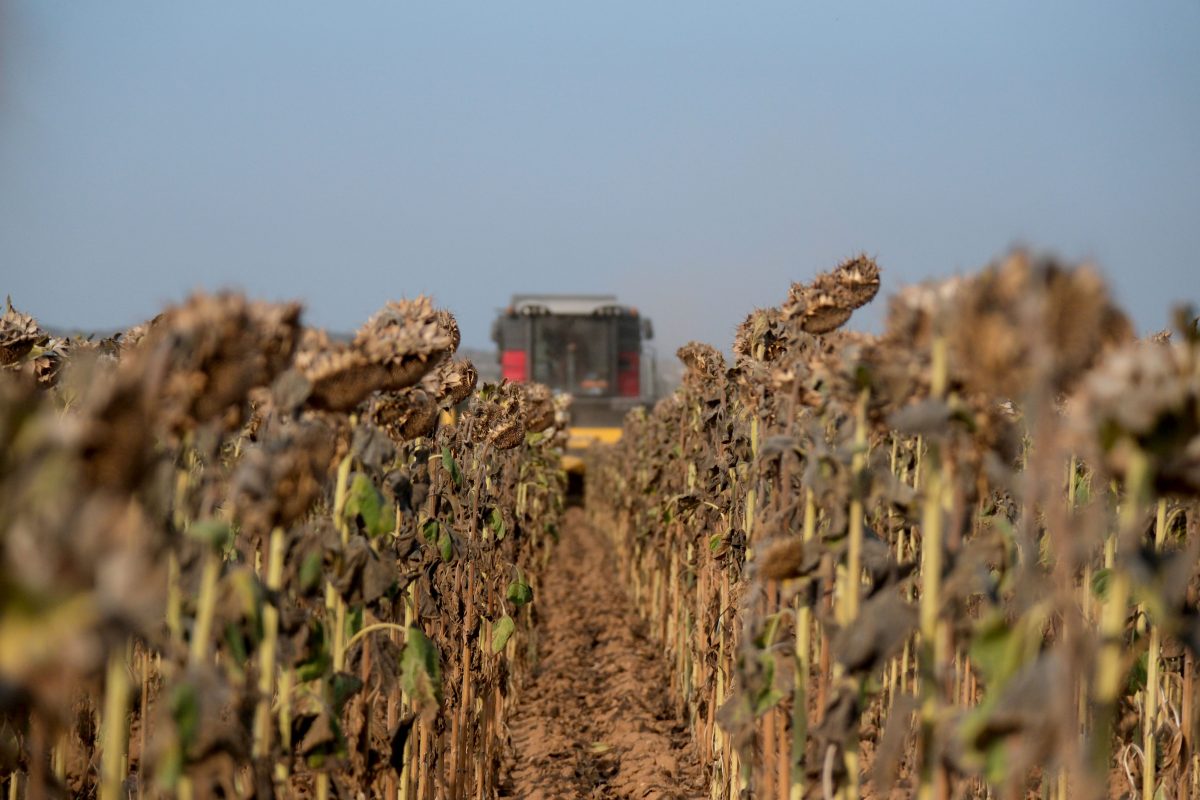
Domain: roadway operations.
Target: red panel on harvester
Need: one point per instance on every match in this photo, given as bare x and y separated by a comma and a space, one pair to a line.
514, 366
628, 372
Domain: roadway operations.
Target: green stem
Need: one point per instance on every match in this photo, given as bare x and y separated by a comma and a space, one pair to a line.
206, 605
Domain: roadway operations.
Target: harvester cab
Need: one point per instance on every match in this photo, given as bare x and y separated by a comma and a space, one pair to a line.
588, 346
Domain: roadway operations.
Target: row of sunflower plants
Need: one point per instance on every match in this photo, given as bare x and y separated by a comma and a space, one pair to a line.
955, 559
240, 557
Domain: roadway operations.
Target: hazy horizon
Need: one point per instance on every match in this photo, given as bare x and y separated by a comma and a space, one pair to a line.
691, 159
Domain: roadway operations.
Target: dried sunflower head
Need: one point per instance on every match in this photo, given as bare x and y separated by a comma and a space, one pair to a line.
18, 335
449, 326
1023, 320
507, 433
827, 302
393, 351
340, 376
751, 380
407, 333
44, 363
110, 430
497, 416
201, 360
782, 558
49, 361
858, 279
406, 414
1081, 319
132, 338
278, 480
915, 311
704, 363
261, 407
537, 407
562, 410
762, 336
452, 382
894, 372
1144, 397
816, 312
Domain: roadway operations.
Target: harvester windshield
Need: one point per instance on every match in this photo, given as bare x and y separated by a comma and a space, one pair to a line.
574, 354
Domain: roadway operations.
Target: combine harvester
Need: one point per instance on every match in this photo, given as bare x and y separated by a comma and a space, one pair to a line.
587, 346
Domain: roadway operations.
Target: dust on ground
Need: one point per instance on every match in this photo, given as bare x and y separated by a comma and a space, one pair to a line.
595, 718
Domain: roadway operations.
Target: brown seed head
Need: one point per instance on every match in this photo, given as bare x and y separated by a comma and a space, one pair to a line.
782, 558
915, 311
405, 414
398, 346
858, 279
1145, 395
497, 416
18, 335
200, 361
406, 330
761, 336
827, 302
704, 363
449, 326
277, 482
452, 382
537, 407
1023, 320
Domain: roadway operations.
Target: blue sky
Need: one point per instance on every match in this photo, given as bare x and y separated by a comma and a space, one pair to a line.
693, 158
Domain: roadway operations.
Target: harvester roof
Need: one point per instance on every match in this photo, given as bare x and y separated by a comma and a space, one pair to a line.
564, 303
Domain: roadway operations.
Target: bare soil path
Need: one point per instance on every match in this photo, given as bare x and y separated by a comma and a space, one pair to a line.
595, 719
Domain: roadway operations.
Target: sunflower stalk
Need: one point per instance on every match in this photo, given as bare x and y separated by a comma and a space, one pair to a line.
266, 676
854, 569
1150, 707
115, 726
341, 488
1109, 668
205, 604
931, 572
803, 665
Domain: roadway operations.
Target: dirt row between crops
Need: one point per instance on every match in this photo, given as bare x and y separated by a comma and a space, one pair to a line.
595, 718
